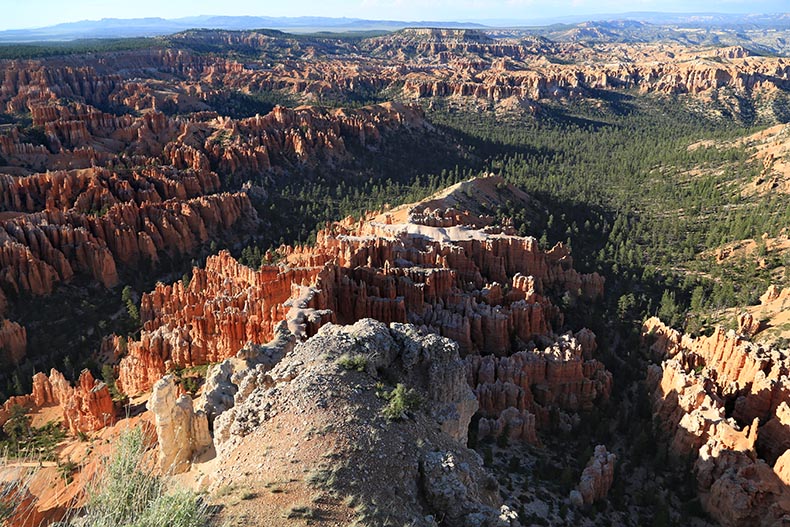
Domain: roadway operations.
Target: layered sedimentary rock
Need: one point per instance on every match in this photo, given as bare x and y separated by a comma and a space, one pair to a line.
773, 293
738, 490
395, 272
511, 423
182, 433
47, 247
303, 136
64, 95
534, 382
225, 306
96, 189
87, 407
121, 189
724, 401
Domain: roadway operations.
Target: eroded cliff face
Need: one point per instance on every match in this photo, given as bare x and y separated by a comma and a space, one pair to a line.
42, 249
517, 393
124, 190
724, 401
415, 63
91, 221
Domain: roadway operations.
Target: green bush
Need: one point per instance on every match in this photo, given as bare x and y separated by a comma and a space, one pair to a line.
353, 362
401, 400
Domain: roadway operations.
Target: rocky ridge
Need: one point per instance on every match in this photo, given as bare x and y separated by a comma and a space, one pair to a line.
313, 389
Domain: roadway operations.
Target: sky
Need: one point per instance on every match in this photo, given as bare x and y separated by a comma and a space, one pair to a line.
18, 14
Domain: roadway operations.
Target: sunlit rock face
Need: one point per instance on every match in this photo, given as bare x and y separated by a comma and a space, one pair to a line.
723, 401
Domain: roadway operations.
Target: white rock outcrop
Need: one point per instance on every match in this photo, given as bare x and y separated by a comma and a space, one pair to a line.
182, 433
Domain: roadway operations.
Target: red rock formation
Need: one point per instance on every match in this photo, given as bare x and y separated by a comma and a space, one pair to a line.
43, 394
395, 273
430, 296
42, 249
20, 506
517, 424
303, 136
737, 490
225, 306
772, 293
455, 64
748, 325
87, 407
95, 189
154, 193
537, 381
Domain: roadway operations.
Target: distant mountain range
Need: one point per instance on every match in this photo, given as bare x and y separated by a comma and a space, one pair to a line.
148, 27
721, 20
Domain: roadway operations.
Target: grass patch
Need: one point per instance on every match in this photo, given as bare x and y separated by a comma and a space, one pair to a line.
23, 441
322, 477
127, 495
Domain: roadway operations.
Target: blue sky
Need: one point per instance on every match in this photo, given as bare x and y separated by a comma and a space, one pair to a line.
39, 13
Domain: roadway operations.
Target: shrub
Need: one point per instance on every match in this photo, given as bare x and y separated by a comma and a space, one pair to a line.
191, 384
401, 400
353, 362
108, 376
